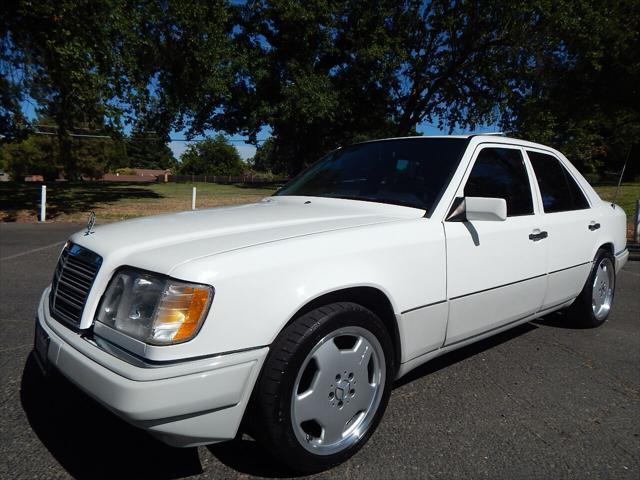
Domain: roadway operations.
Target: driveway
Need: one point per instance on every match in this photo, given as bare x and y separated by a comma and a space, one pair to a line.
540, 401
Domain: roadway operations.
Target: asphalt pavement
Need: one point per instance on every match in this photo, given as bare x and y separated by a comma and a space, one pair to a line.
541, 401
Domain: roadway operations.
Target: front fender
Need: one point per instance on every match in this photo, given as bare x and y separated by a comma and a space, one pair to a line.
259, 289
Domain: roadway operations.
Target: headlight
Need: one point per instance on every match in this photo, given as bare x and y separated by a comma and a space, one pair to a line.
154, 309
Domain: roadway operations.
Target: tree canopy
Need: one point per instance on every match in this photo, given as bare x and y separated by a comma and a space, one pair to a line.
212, 156
148, 150
583, 84
320, 73
94, 155
326, 73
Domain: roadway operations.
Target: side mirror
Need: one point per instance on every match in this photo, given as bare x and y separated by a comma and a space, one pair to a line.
478, 208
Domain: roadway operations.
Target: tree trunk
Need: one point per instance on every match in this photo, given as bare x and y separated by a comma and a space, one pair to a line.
66, 154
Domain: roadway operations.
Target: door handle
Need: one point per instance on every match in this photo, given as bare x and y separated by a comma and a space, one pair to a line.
594, 226
538, 236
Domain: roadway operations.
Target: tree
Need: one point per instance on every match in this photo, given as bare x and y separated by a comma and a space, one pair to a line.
40, 155
266, 158
12, 121
212, 156
69, 58
148, 151
80, 60
322, 74
192, 61
96, 156
584, 84
326, 73
35, 155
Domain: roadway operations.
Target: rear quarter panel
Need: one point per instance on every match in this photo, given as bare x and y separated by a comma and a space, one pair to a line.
613, 227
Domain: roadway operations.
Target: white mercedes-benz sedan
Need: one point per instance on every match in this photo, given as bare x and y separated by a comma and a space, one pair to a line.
300, 311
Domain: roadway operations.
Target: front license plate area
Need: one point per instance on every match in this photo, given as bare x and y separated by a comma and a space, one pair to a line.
41, 348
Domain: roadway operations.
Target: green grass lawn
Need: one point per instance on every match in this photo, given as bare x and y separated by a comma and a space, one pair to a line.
627, 196
72, 202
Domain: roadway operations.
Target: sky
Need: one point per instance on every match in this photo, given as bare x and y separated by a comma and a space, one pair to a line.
247, 151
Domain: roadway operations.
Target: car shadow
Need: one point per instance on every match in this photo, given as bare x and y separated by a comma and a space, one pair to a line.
91, 442
463, 353
248, 457
559, 319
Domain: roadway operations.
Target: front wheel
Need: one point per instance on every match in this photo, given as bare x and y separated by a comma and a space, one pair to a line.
325, 386
593, 305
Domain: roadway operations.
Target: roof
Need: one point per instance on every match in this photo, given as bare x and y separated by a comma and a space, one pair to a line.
493, 137
463, 136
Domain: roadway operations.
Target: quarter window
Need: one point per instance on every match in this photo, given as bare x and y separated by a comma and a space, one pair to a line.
501, 173
560, 192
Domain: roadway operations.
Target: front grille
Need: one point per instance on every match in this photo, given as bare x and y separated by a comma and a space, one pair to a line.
72, 281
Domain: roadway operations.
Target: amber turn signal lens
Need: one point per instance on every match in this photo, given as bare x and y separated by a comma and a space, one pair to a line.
180, 312
197, 306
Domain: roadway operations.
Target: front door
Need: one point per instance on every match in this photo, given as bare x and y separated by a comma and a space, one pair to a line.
495, 269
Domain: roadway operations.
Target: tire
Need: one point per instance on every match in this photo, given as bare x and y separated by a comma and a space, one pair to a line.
315, 404
593, 306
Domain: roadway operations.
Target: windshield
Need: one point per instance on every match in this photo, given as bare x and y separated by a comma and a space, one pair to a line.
410, 171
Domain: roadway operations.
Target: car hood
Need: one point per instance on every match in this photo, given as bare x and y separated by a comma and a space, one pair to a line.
160, 243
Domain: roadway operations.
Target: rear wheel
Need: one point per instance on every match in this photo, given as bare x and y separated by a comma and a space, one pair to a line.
324, 386
593, 305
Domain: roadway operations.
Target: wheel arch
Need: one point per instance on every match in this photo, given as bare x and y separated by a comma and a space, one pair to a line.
609, 247
368, 297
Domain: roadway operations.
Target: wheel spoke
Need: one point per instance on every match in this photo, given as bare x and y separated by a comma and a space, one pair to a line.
328, 357
309, 406
365, 392
332, 429
596, 280
358, 358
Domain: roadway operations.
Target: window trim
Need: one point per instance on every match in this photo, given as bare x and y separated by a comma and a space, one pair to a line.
567, 170
459, 191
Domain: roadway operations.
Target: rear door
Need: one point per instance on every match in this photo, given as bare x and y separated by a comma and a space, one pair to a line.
495, 269
571, 224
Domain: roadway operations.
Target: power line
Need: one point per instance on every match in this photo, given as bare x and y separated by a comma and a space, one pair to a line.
142, 138
203, 139
74, 135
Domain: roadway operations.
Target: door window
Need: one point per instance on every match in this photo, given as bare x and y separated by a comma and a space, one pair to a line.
560, 192
501, 173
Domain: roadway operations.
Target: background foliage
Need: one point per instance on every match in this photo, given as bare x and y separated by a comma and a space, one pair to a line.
213, 156
318, 74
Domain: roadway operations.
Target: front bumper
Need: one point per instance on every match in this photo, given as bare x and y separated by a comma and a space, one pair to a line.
621, 259
184, 404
